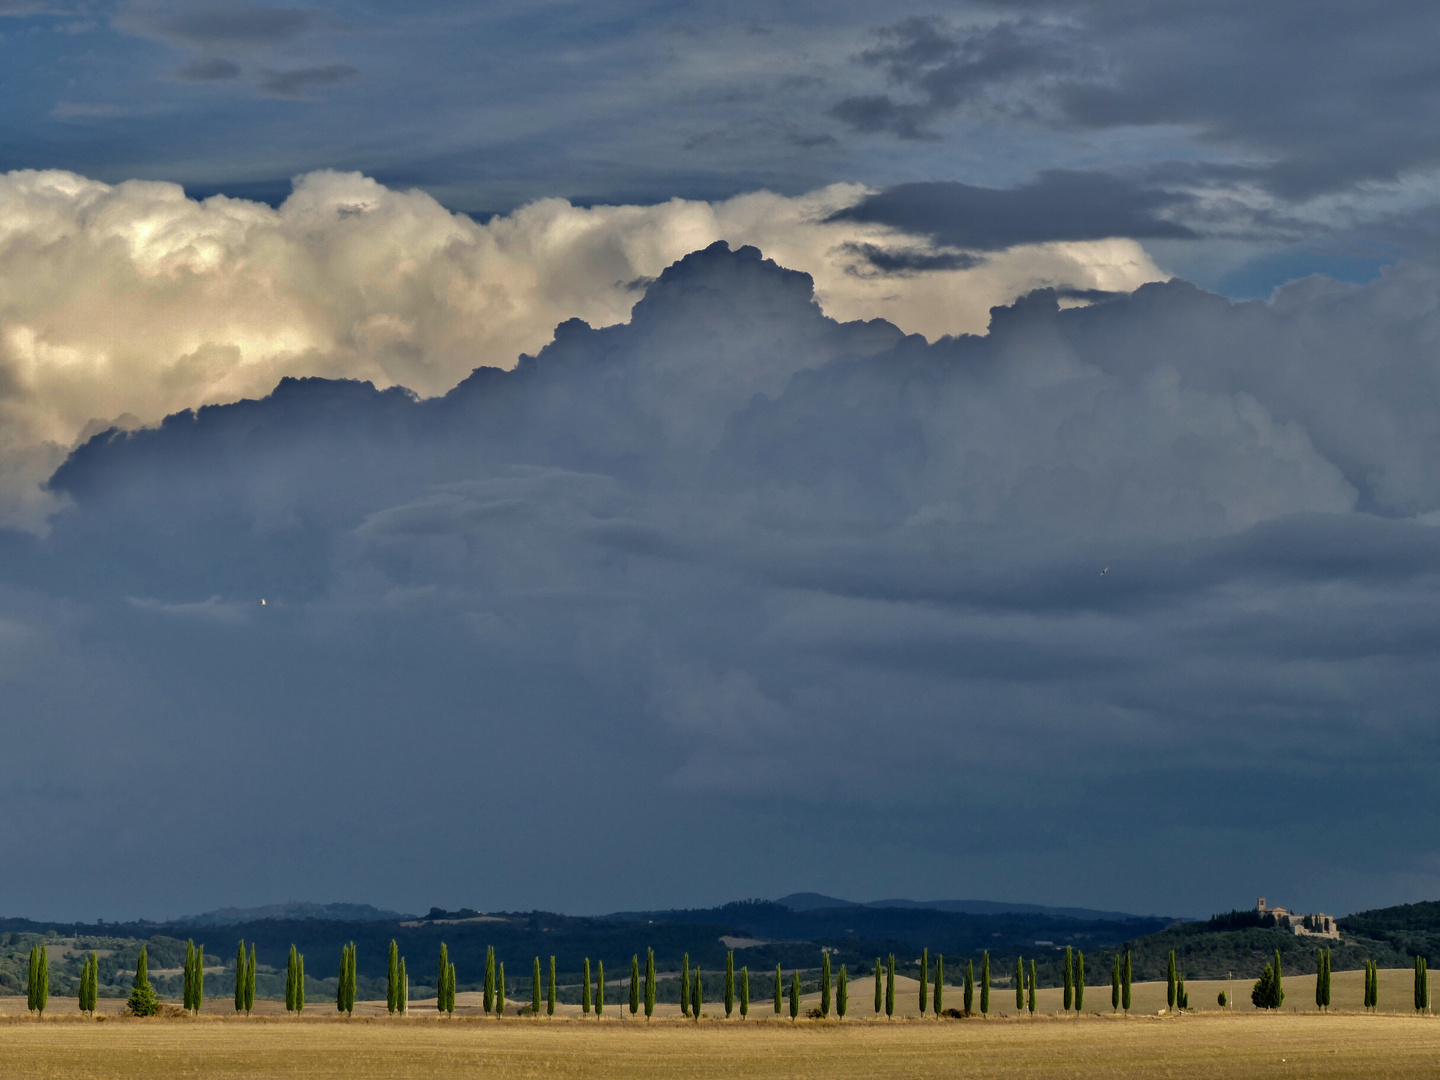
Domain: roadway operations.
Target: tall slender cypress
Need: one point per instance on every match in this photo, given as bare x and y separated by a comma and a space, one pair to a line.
550, 991
1125, 976
825, 984
240, 964
299, 979
1019, 984
924, 981
500, 990
84, 983
649, 983
250, 981
685, 986
879, 989
1115, 984
599, 989
729, 983
585, 990
1069, 976
1327, 979
1422, 985
1079, 982
985, 984
938, 997
535, 990
969, 998
1032, 987
697, 997
794, 995
779, 993
488, 995
190, 972
744, 993
290, 983
634, 984
1170, 980
842, 994
32, 969
42, 998
889, 986
392, 978
1279, 981
450, 990
442, 976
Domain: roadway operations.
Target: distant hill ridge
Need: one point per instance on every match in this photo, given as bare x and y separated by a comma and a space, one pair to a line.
809, 901
296, 909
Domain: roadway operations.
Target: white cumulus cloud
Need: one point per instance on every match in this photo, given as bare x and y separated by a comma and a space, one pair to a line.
128, 302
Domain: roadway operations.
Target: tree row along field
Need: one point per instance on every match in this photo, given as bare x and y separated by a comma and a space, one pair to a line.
1148, 1000
1239, 1046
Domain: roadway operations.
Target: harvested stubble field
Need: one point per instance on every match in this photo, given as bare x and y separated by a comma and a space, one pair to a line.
1237, 1046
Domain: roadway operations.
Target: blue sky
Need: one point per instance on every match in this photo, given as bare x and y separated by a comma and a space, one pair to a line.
678, 448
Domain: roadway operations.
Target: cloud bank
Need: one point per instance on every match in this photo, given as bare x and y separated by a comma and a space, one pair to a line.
735, 597
124, 303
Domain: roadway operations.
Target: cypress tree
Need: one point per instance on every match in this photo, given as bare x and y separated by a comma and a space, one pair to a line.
599, 989
1019, 984
1170, 980
339, 980
779, 993
489, 994
92, 998
744, 993
535, 990
794, 996
84, 982
969, 998
634, 985
1115, 984
696, 997
889, 985
1069, 982
1125, 974
500, 991
42, 998
842, 994
1032, 987
825, 984
450, 990
32, 970
190, 972
985, 984
1422, 985
299, 979
1182, 999
240, 976
685, 986
879, 992
392, 978
250, 982
1374, 985
1279, 982
550, 990
1327, 978
1320, 979
290, 983
1079, 982
649, 983
939, 984
924, 981
584, 990
729, 983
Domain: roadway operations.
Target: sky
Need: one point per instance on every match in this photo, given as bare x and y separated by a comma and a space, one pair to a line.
688, 452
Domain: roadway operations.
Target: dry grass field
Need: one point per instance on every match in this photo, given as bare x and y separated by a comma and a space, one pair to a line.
369, 1047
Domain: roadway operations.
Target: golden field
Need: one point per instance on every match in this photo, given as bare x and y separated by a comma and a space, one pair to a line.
322, 1044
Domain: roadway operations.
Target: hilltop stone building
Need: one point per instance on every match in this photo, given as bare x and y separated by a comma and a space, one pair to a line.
1316, 924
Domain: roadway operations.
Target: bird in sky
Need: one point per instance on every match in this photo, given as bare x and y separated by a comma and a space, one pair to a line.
262, 599
1102, 574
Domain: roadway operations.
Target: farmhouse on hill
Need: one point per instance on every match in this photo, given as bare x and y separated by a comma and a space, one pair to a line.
1316, 924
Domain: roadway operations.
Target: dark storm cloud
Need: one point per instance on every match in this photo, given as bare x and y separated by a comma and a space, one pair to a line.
902, 262
1057, 205
212, 69
234, 25
295, 83
1317, 98
777, 568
